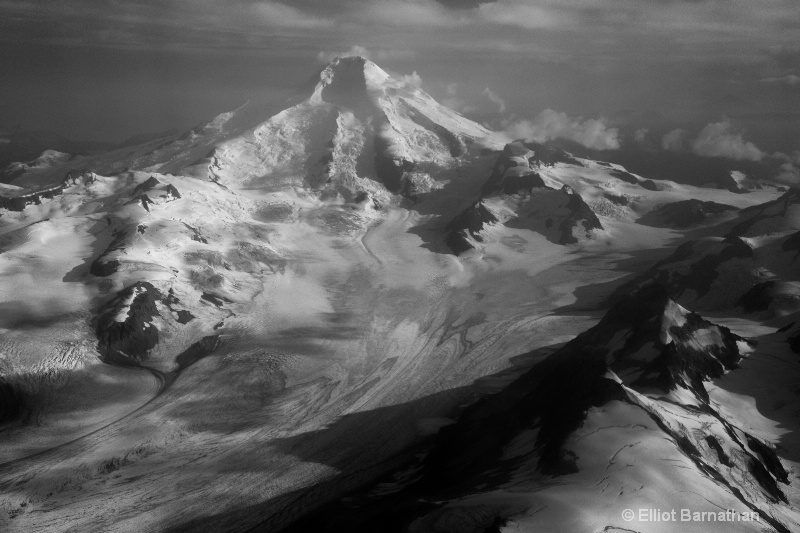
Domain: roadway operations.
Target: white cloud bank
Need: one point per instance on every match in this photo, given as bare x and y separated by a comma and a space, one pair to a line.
550, 124
720, 140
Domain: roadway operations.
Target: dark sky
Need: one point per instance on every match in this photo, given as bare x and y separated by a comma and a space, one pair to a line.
106, 70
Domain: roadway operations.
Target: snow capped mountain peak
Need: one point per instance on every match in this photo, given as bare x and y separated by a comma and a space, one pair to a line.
360, 130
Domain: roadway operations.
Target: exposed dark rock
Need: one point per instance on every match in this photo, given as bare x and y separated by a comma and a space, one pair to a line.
700, 271
580, 213
619, 200
767, 482
512, 184
102, 269
769, 458
650, 185
721, 455
147, 185
131, 340
146, 202
197, 351
172, 191
471, 221
627, 177
102, 266
214, 299
684, 213
19, 201
195, 234
184, 317
773, 209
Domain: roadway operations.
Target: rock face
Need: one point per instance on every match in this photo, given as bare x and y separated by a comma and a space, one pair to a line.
360, 130
647, 353
24, 197
469, 223
125, 330
561, 215
753, 267
684, 214
778, 215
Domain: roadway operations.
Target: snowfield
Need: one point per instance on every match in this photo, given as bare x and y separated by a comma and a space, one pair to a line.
232, 327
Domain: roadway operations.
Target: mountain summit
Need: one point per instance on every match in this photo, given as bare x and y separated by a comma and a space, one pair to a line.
360, 127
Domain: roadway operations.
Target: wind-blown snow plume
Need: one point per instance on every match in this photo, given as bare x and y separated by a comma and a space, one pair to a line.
720, 140
550, 124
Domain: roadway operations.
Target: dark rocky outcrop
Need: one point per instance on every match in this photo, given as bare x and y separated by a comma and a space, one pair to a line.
147, 185
514, 174
469, 223
102, 266
129, 341
579, 213
694, 265
775, 209
627, 177
19, 201
684, 213
126, 329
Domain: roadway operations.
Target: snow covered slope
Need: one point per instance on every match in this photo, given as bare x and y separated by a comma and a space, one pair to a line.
635, 413
223, 329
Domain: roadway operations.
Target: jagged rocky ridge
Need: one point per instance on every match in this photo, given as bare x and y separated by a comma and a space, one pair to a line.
684, 213
647, 352
127, 329
559, 214
753, 266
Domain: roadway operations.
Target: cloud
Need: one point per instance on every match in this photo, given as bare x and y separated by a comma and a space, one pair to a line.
406, 13
495, 99
640, 135
674, 141
413, 79
454, 101
525, 15
355, 50
720, 140
792, 80
550, 124
284, 16
789, 171
788, 174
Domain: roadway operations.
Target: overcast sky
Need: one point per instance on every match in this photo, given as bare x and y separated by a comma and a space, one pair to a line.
110, 69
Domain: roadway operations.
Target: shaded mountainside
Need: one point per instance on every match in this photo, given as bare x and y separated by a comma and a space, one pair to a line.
647, 353
754, 266
560, 214
684, 213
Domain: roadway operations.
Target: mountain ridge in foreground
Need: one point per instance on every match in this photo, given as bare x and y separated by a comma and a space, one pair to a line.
366, 301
